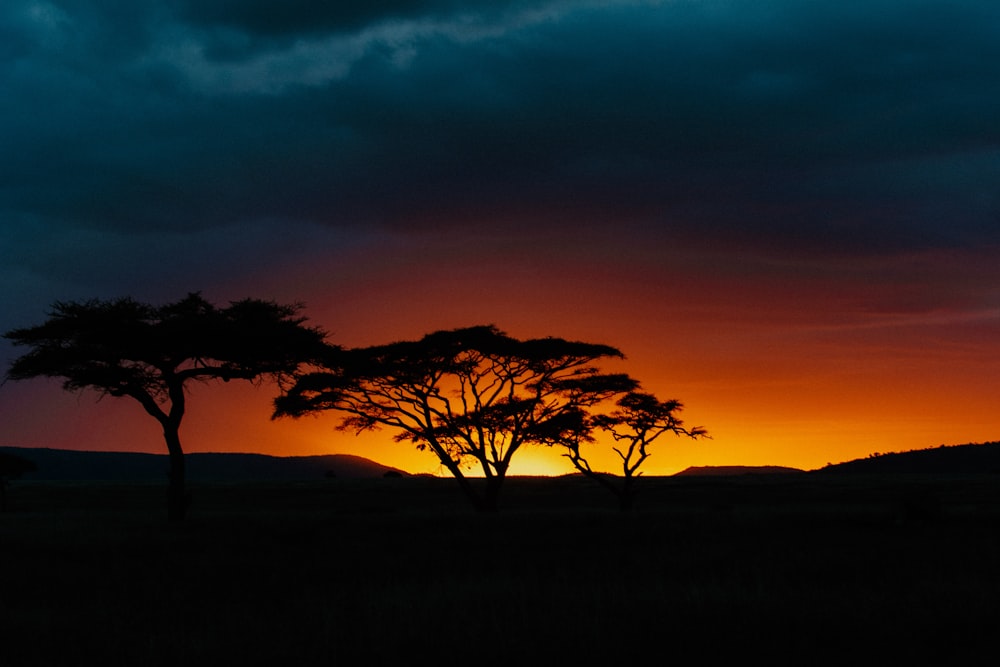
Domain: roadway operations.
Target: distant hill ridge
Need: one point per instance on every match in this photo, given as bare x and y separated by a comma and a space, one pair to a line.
71, 465
972, 458
729, 471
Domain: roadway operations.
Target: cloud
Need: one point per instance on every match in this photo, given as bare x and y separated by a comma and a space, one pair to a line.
295, 18
772, 126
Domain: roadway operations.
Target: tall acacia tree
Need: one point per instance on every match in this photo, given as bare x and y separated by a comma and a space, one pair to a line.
638, 419
122, 347
473, 396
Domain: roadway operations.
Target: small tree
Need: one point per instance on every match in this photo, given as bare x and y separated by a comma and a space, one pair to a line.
473, 396
11, 467
123, 347
638, 419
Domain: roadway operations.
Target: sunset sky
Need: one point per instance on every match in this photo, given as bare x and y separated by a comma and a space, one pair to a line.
785, 213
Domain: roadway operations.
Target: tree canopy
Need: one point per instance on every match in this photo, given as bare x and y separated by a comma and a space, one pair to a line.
473, 396
123, 347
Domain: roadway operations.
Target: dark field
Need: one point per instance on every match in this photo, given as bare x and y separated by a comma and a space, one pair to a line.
800, 569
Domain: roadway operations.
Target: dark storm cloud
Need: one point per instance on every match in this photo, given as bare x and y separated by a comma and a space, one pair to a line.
295, 18
775, 125
836, 128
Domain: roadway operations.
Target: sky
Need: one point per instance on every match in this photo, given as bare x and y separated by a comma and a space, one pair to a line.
786, 214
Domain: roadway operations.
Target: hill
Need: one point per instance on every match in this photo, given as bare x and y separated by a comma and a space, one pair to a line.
729, 471
947, 459
68, 465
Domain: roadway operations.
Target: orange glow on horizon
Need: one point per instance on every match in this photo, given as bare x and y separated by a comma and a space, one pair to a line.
780, 371
809, 440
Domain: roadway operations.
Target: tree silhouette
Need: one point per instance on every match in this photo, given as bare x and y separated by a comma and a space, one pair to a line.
11, 467
123, 347
473, 396
638, 419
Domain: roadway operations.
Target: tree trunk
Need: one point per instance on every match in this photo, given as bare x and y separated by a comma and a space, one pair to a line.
177, 497
623, 493
479, 502
491, 497
626, 496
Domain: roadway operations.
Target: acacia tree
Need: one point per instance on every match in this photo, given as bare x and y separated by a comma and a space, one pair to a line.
473, 396
122, 347
638, 419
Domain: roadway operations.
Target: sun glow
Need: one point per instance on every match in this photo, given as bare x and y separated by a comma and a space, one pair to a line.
537, 461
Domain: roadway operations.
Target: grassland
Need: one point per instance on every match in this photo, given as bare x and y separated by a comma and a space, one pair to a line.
801, 569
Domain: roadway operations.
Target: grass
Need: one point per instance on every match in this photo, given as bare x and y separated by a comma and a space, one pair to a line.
806, 569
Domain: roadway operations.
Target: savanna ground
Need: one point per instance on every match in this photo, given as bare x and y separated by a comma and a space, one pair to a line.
793, 570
